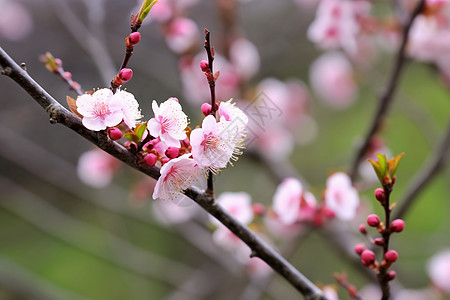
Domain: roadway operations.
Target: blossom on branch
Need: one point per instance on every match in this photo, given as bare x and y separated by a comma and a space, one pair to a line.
341, 197
169, 122
177, 175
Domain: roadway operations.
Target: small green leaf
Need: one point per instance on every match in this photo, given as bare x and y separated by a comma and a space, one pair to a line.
382, 161
131, 136
140, 129
145, 9
393, 164
377, 169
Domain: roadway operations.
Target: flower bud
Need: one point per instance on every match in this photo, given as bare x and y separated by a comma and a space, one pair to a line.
172, 152
164, 160
150, 159
134, 37
258, 209
67, 75
378, 241
125, 74
367, 257
352, 291
206, 109
373, 220
380, 195
397, 225
359, 248
391, 275
362, 229
391, 256
115, 133
204, 65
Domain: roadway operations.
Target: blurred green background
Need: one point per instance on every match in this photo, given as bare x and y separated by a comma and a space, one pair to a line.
60, 239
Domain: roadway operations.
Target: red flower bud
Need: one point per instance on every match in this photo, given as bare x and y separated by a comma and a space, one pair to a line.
150, 159
67, 75
380, 195
378, 241
258, 209
206, 109
204, 65
391, 275
164, 160
135, 37
115, 133
397, 225
359, 248
362, 229
125, 74
373, 220
391, 256
367, 257
172, 152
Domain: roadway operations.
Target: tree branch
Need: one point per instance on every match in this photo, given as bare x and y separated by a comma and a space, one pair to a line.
59, 114
387, 96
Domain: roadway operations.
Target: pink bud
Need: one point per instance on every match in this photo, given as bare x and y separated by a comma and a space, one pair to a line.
328, 213
206, 109
58, 62
187, 142
380, 195
258, 209
397, 225
135, 37
373, 220
115, 133
172, 152
150, 159
352, 291
391, 256
204, 65
367, 257
164, 160
125, 74
378, 241
362, 229
67, 75
391, 275
359, 248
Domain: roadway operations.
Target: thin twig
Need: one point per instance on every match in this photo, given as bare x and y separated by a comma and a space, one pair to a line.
58, 114
387, 96
431, 168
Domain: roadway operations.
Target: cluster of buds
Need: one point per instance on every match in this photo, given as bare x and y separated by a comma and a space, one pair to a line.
155, 151
55, 66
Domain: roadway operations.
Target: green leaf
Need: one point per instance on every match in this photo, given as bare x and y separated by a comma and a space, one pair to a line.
145, 9
140, 129
382, 161
393, 164
131, 136
377, 169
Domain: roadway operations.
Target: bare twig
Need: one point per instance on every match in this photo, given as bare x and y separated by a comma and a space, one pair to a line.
387, 96
58, 114
424, 176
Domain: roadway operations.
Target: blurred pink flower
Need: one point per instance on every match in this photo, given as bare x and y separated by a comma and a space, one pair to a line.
162, 11
15, 21
169, 122
213, 145
177, 175
245, 58
330, 292
97, 168
439, 270
331, 77
336, 24
168, 213
101, 109
341, 197
182, 35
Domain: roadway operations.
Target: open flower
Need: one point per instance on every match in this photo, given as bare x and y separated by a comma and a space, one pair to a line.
100, 110
213, 145
177, 175
341, 197
169, 122
130, 108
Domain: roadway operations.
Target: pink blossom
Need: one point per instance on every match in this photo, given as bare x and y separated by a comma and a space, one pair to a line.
15, 21
439, 270
245, 58
97, 168
336, 24
130, 108
239, 205
162, 11
341, 197
169, 122
331, 77
177, 175
213, 145
182, 35
228, 111
99, 110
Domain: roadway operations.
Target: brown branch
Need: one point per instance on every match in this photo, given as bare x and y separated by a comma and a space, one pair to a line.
59, 114
436, 162
387, 96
